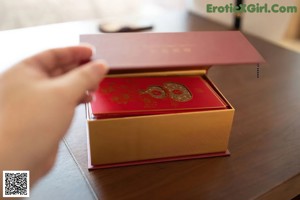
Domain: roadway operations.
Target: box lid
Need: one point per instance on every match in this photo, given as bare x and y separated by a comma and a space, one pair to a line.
140, 52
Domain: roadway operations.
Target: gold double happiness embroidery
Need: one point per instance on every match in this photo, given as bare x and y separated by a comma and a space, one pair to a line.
176, 91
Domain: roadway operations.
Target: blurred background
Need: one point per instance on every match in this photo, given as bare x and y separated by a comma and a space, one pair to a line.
282, 29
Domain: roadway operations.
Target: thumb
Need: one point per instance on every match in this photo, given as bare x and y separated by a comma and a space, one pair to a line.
84, 78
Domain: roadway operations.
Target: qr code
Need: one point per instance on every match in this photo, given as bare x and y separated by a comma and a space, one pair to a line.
15, 183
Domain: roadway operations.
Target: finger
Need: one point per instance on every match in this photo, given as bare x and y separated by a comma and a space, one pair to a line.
82, 79
60, 58
88, 97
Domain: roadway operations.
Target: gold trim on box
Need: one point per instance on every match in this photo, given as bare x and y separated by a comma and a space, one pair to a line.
158, 74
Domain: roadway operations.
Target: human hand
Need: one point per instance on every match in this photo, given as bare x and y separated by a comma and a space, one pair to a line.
37, 101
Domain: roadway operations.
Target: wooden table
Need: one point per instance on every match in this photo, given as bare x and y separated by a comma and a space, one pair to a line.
264, 143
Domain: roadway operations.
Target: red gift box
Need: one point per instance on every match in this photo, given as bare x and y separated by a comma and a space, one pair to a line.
140, 118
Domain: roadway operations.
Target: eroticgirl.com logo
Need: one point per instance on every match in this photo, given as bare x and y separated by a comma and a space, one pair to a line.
250, 8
